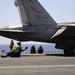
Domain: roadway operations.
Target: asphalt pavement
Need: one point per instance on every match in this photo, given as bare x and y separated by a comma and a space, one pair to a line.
38, 64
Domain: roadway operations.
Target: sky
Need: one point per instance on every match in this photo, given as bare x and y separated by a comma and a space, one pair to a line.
60, 10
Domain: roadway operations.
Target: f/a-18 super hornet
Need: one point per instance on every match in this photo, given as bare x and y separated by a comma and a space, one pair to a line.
38, 25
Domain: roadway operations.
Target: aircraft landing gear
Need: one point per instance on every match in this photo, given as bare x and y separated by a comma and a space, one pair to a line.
73, 51
69, 52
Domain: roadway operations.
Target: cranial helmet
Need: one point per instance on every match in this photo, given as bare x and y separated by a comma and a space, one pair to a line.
19, 43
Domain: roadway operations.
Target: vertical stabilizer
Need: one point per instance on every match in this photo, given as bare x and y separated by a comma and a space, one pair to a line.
32, 13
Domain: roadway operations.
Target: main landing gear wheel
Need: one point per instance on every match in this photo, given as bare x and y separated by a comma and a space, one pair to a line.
73, 51
69, 52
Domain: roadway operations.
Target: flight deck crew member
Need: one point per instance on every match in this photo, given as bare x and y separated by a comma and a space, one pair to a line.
11, 44
16, 51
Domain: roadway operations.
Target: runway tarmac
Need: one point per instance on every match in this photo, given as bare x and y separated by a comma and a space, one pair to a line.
49, 64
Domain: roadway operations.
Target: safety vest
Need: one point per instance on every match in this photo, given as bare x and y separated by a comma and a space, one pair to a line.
15, 48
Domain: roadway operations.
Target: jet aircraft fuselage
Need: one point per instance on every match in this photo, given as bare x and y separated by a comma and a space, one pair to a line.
38, 25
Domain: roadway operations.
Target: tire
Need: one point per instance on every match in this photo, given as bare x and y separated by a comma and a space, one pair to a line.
73, 52
68, 52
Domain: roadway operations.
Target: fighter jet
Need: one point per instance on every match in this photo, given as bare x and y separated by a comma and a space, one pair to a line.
38, 25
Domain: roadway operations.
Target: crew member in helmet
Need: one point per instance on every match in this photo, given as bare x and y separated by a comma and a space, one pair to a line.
11, 44
16, 51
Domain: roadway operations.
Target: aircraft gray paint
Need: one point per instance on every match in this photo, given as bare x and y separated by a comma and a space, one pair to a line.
38, 25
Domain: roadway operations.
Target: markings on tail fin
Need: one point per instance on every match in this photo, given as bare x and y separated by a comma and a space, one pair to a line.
32, 13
